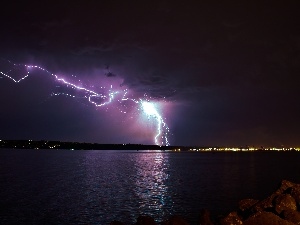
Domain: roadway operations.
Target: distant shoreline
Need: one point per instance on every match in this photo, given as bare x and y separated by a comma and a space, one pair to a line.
43, 144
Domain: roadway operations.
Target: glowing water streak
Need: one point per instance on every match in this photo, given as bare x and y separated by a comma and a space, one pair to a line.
147, 106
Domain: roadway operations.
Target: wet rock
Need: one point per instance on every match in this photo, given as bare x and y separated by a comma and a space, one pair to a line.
285, 202
175, 220
292, 216
145, 220
231, 219
246, 204
204, 218
116, 223
266, 218
295, 193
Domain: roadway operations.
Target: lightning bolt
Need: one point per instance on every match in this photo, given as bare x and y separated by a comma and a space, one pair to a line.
146, 106
151, 111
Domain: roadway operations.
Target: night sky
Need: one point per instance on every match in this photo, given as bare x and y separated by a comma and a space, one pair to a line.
222, 73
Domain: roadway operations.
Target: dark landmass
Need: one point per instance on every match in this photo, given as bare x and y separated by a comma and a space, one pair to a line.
282, 207
44, 144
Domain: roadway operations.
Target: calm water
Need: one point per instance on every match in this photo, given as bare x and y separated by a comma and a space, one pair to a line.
96, 187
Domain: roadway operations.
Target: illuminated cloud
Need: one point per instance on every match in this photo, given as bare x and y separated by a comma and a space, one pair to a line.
100, 97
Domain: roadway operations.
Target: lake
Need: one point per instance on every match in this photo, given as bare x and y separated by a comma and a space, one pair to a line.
97, 187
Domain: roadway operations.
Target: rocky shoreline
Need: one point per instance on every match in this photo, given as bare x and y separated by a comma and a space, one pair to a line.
282, 207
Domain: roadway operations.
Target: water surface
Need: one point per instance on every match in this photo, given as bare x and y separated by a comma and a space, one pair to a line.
96, 187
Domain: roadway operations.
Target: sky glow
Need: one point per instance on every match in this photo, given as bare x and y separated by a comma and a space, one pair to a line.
217, 74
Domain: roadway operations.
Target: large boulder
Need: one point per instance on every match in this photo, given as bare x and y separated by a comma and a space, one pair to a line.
264, 205
295, 193
268, 203
266, 218
292, 216
284, 185
285, 202
175, 220
145, 220
246, 204
231, 219
204, 218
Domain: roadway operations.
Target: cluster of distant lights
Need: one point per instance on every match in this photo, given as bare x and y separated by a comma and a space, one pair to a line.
242, 149
146, 106
207, 149
29, 141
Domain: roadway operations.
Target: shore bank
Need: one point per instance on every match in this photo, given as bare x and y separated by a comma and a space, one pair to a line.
282, 207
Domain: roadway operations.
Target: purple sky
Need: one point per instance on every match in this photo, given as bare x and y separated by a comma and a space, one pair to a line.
219, 74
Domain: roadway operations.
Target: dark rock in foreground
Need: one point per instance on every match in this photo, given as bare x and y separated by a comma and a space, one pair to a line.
282, 207
264, 218
246, 204
204, 218
175, 220
145, 220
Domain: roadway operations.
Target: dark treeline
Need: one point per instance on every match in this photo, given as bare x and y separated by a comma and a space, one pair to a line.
30, 144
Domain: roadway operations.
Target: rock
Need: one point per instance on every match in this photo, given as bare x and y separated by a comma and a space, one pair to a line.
284, 185
231, 219
246, 204
265, 204
204, 218
175, 220
295, 193
145, 220
285, 202
266, 218
292, 216
116, 223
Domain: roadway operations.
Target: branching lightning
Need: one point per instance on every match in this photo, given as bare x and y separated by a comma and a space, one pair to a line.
91, 95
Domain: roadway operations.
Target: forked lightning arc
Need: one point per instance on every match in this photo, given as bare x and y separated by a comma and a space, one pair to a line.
91, 95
